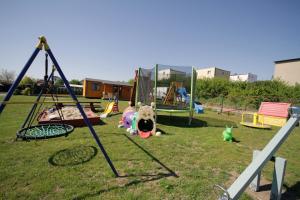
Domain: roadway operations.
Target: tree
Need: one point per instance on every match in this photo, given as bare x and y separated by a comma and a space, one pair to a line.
131, 81
7, 76
75, 82
58, 82
27, 81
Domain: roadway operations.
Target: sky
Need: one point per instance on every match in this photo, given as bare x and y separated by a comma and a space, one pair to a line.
109, 39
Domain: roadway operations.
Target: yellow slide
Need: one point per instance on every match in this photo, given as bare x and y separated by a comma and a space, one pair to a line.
107, 110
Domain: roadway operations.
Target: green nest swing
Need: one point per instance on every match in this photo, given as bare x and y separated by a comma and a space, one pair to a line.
45, 131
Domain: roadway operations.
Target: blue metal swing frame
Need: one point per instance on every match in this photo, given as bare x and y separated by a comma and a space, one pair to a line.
44, 45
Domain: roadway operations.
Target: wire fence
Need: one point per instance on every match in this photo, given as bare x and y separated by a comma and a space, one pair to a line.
224, 104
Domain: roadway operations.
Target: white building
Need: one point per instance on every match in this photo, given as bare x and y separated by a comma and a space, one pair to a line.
244, 77
168, 73
161, 92
212, 72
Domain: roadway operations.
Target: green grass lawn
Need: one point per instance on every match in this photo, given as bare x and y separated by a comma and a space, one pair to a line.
184, 163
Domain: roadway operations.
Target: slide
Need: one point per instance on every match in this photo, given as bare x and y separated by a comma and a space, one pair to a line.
182, 92
107, 110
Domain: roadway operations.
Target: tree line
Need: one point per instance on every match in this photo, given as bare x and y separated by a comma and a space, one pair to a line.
28, 85
244, 94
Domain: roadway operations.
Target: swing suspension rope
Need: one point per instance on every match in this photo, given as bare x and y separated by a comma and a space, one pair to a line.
44, 131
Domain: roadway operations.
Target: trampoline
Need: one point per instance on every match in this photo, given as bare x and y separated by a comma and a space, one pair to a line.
171, 88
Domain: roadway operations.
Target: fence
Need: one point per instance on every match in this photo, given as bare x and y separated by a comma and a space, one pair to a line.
242, 103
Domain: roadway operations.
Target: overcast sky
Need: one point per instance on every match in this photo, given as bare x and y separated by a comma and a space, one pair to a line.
109, 39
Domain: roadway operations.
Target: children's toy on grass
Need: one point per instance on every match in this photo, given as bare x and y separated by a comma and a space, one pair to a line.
145, 122
127, 116
269, 114
198, 108
112, 107
227, 134
140, 123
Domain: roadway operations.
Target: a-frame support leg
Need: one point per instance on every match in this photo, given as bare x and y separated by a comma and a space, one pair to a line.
86, 120
43, 43
19, 78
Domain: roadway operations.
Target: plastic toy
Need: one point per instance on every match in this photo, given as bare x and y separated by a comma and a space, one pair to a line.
141, 122
227, 134
198, 108
133, 129
254, 123
111, 107
126, 120
145, 122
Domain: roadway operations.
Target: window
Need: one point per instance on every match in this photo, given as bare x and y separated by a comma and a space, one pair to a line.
95, 87
208, 72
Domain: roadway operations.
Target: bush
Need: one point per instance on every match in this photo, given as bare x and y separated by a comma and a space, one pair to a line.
27, 91
17, 92
243, 94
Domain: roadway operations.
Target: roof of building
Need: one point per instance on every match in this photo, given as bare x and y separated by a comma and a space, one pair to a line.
76, 86
212, 68
288, 60
235, 74
276, 109
108, 82
174, 70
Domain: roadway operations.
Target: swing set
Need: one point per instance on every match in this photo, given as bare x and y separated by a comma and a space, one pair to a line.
29, 131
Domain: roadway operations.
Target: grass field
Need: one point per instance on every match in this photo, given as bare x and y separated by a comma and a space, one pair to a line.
184, 163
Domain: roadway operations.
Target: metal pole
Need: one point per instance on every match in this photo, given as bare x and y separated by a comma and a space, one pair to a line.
19, 78
192, 95
86, 120
242, 182
137, 87
155, 91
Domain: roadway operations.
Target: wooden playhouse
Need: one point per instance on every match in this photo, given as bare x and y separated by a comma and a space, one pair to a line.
96, 88
273, 113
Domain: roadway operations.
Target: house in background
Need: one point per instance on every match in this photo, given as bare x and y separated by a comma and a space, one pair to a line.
169, 73
244, 77
288, 71
96, 88
212, 72
77, 89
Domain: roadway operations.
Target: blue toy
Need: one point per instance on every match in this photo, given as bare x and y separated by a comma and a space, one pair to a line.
198, 108
183, 94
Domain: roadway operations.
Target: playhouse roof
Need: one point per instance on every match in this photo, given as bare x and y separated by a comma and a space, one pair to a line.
108, 82
276, 109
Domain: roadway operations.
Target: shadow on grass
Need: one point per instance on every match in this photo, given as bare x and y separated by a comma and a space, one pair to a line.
142, 178
73, 156
235, 140
170, 172
100, 123
182, 121
292, 192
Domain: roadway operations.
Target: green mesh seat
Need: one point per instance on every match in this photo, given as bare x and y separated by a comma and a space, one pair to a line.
44, 131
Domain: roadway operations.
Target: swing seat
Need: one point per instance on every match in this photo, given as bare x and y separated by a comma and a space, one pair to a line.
45, 131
